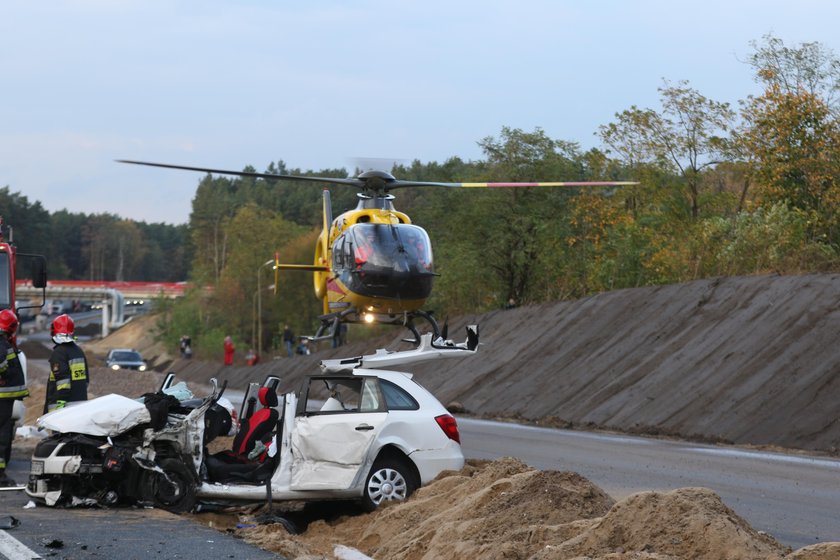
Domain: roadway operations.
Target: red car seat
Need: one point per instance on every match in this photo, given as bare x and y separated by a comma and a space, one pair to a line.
234, 465
259, 427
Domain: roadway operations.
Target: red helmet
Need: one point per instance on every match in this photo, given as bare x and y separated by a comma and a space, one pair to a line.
62, 324
8, 321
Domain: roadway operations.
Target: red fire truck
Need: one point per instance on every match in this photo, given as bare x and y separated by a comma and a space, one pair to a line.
10, 259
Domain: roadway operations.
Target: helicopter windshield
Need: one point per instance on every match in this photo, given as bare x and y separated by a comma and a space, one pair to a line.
400, 247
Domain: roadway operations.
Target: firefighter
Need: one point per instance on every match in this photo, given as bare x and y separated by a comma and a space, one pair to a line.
69, 377
12, 388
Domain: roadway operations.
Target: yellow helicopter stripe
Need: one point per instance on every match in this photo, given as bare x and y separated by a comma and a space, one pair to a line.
553, 184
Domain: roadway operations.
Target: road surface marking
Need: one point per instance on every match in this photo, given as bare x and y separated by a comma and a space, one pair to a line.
13, 549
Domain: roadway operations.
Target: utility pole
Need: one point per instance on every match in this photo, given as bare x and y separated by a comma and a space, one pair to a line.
259, 306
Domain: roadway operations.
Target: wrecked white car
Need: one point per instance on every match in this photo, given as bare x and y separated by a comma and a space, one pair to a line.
350, 432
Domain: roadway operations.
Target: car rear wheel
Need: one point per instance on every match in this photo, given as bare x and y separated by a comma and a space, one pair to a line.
389, 479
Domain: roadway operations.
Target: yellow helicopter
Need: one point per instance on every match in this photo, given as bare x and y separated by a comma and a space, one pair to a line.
372, 265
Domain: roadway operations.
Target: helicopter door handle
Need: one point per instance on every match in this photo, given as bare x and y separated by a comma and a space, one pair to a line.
364, 428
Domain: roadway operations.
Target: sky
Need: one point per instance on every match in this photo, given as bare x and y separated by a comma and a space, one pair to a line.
320, 84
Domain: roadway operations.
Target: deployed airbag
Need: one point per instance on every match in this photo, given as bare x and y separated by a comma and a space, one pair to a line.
110, 415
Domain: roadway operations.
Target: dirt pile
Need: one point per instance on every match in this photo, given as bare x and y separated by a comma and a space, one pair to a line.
505, 510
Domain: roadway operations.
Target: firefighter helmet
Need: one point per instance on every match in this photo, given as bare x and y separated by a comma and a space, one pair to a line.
61, 329
8, 321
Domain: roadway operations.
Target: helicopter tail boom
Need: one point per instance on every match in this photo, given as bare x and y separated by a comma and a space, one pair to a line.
305, 267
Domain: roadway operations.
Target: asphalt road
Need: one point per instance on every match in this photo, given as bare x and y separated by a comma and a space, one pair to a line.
124, 533
794, 498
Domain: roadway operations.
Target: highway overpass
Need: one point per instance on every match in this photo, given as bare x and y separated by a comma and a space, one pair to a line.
111, 295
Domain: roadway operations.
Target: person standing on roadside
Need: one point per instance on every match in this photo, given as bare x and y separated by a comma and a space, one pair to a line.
289, 340
69, 377
229, 350
12, 388
186, 347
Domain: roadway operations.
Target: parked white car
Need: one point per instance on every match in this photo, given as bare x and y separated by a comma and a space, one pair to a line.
349, 432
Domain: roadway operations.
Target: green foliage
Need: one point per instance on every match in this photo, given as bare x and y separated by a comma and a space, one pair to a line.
167, 254
178, 318
685, 137
768, 239
30, 223
293, 302
792, 133
807, 68
96, 246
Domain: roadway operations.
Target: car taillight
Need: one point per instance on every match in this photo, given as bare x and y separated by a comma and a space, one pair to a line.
449, 426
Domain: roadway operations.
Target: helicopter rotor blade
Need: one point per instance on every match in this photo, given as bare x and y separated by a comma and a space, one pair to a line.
379, 181
270, 176
402, 184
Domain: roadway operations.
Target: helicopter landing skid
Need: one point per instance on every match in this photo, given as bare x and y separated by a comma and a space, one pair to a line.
330, 324
409, 324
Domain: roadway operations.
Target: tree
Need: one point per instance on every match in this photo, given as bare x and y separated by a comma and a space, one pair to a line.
168, 252
792, 132
254, 234
213, 207
128, 248
687, 136
29, 222
293, 300
808, 68
96, 237
517, 223
65, 252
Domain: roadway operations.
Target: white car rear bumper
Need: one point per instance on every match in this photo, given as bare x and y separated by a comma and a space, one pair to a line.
431, 462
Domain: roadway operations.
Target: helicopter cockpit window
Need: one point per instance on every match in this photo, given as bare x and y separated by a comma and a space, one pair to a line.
417, 246
367, 244
339, 252
399, 247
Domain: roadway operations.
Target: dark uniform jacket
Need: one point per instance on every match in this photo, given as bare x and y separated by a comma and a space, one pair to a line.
68, 375
12, 380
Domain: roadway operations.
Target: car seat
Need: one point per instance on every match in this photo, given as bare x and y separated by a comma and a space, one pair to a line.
258, 427
234, 464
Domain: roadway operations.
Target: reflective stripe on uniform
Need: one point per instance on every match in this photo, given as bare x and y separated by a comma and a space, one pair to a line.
14, 392
77, 369
10, 355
